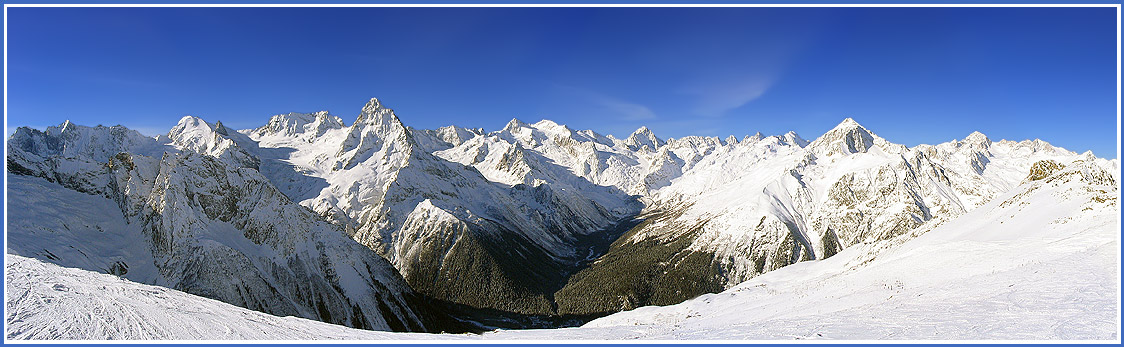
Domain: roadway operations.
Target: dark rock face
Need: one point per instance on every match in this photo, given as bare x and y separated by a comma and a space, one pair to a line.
650, 272
831, 244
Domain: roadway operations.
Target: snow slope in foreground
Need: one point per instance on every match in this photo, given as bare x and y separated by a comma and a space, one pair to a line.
1040, 262
46, 301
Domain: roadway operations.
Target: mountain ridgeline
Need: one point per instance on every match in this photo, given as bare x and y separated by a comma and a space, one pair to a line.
381, 226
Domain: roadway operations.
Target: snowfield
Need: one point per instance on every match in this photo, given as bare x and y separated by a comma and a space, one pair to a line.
1040, 262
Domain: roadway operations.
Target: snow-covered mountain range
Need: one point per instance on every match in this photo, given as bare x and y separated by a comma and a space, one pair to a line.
1032, 264
376, 224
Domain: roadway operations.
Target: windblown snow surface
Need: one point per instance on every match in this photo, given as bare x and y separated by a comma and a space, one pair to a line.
1038, 262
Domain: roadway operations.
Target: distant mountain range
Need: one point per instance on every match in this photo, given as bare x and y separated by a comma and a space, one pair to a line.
381, 226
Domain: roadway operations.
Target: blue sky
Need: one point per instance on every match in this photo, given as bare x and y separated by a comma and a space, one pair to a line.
911, 75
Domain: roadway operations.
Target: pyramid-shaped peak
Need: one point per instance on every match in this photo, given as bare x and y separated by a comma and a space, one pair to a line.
794, 138
375, 113
373, 105
848, 123
514, 123
377, 130
1088, 156
643, 137
849, 137
849, 126
643, 132
976, 135
219, 128
977, 138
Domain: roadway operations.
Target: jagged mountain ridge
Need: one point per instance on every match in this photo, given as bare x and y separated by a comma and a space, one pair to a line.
203, 224
756, 206
418, 210
510, 207
1034, 263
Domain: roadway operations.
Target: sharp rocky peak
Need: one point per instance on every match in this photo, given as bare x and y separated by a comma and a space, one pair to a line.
377, 130
222, 130
847, 126
643, 137
755, 137
643, 129
295, 123
192, 127
976, 136
63, 127
848, 123
977, 139
794, 138
515, 123
375, 114
846, 138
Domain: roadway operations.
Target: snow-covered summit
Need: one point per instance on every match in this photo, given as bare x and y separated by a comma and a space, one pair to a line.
793, 138
850, 137
977, 139
297, 124
513, 124
643, 137
377, 133
196, 135
374, 113
444, 137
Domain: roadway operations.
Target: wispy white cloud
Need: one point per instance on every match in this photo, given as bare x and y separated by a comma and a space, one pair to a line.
720, 83
716, 97
626, 111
